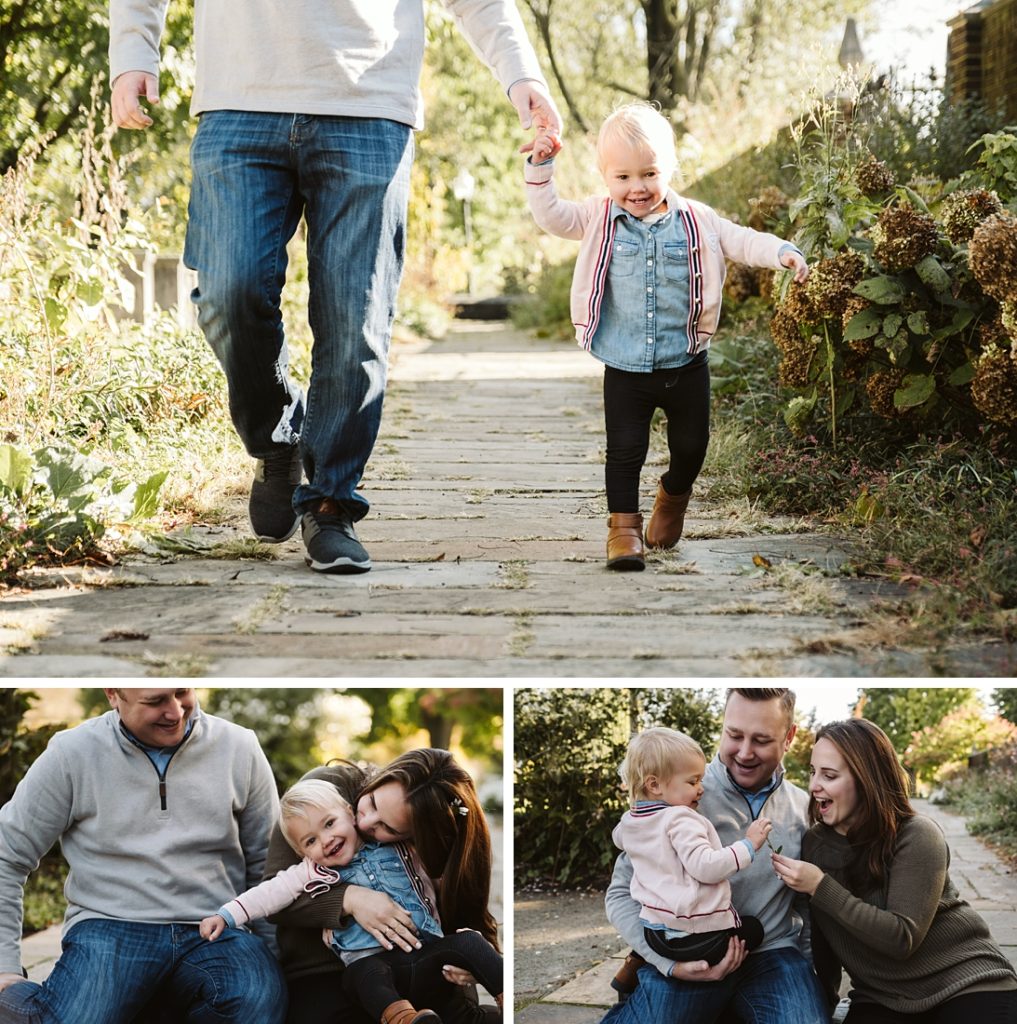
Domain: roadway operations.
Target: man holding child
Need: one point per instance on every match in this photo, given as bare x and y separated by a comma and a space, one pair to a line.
775, 984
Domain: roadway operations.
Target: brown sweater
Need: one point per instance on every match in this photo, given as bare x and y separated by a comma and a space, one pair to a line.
298, 927
911, 945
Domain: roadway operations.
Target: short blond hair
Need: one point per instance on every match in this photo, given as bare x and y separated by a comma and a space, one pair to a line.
316, 794
655, 752
640, 125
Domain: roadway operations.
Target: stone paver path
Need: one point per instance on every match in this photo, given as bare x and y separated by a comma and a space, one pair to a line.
487, 535
980, 876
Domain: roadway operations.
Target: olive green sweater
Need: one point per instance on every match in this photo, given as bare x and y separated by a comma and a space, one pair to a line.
909, 946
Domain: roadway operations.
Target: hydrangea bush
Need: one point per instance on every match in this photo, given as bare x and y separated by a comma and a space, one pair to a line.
910, 312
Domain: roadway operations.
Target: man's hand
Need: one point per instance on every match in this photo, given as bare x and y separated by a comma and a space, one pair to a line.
212, 927
794, 260
127, 111
799, 875
535, 108
700, 970
380, 915
6, 980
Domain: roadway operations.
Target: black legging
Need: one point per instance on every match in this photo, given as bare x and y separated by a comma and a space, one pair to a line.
382, 978
984, 1007
630, 400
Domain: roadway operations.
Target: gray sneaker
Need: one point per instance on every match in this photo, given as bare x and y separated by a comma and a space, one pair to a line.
331, 541
276, 477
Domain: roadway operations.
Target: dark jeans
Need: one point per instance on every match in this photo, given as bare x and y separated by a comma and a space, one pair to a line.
630, 400
983, 1007
708, 946
254, 175
109, 970
381, 979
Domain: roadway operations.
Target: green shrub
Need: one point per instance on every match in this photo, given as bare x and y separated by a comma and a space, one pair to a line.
543, 298
988, 799
568, 796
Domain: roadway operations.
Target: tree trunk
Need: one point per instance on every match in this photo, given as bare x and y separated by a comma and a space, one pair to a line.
542, 18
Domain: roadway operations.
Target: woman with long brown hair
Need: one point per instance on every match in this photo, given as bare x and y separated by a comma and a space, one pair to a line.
883, 905
426, 800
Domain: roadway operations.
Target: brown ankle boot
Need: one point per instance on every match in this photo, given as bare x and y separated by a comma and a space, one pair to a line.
625, 541
402, 1011
668, 518
626, 979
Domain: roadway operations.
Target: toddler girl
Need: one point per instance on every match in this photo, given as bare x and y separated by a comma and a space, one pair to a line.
680, 869
319, 825
646, 297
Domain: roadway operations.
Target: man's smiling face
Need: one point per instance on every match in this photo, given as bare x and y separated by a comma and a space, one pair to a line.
755, 737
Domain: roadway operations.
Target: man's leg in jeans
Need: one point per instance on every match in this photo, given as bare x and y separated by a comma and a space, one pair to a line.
105, 974
354, 173
244, 208
663, 1000
778, 986
234, 980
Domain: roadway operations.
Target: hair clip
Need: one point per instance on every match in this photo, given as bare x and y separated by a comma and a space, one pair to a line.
457, 803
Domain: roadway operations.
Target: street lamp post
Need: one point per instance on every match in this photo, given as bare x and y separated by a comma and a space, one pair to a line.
463, 187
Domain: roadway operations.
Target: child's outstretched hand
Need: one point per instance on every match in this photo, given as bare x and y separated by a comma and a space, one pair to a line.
757, 832
212, 927
545, 145
794, 260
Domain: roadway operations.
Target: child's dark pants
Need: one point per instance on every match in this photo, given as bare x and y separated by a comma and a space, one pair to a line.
708, 946
630, 400
381, 979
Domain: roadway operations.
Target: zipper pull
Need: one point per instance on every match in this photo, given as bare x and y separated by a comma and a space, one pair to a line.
162, 793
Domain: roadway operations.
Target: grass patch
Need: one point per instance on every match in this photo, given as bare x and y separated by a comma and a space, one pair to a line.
988, 799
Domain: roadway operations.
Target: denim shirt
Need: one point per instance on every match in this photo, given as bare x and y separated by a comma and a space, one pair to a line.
644, 318
380, 866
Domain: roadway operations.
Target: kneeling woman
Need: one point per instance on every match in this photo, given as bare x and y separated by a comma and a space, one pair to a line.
883, 906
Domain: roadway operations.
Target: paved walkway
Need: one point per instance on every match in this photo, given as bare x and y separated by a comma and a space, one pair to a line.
980, 876
487, 535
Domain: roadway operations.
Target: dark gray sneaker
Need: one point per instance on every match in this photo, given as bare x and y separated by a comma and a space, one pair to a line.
331, 541
273, 518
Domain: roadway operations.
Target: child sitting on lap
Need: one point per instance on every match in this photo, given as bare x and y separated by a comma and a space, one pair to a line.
321, 828
680, 869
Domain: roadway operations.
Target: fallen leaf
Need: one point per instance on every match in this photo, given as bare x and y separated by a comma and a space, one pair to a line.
122, 634
763, 563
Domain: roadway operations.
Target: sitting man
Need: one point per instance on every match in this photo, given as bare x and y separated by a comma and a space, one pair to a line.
160, 811
775, 984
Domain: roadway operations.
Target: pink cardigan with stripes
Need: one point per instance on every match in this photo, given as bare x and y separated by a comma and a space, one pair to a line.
712, 240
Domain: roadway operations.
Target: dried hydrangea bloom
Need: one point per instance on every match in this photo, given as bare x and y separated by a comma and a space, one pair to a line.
768, 207
880, 388
798, 305
904, 236
963, 211
994, 387
766, 281
796, 347
740, 282
992, 254
831, 281
873, 177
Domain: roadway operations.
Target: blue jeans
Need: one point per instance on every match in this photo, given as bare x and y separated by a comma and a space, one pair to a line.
109, 970
253, 176
775, 986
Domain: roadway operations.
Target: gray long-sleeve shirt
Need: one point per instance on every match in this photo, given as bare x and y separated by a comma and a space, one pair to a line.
356, 58
134, 853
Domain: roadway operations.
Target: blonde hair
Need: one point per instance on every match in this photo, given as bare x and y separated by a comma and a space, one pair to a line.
641, 126
316, 794
658, 752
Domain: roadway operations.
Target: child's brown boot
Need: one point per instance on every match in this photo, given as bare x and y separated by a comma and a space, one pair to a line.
667, 519
625, 542
626, 979
402, 1011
